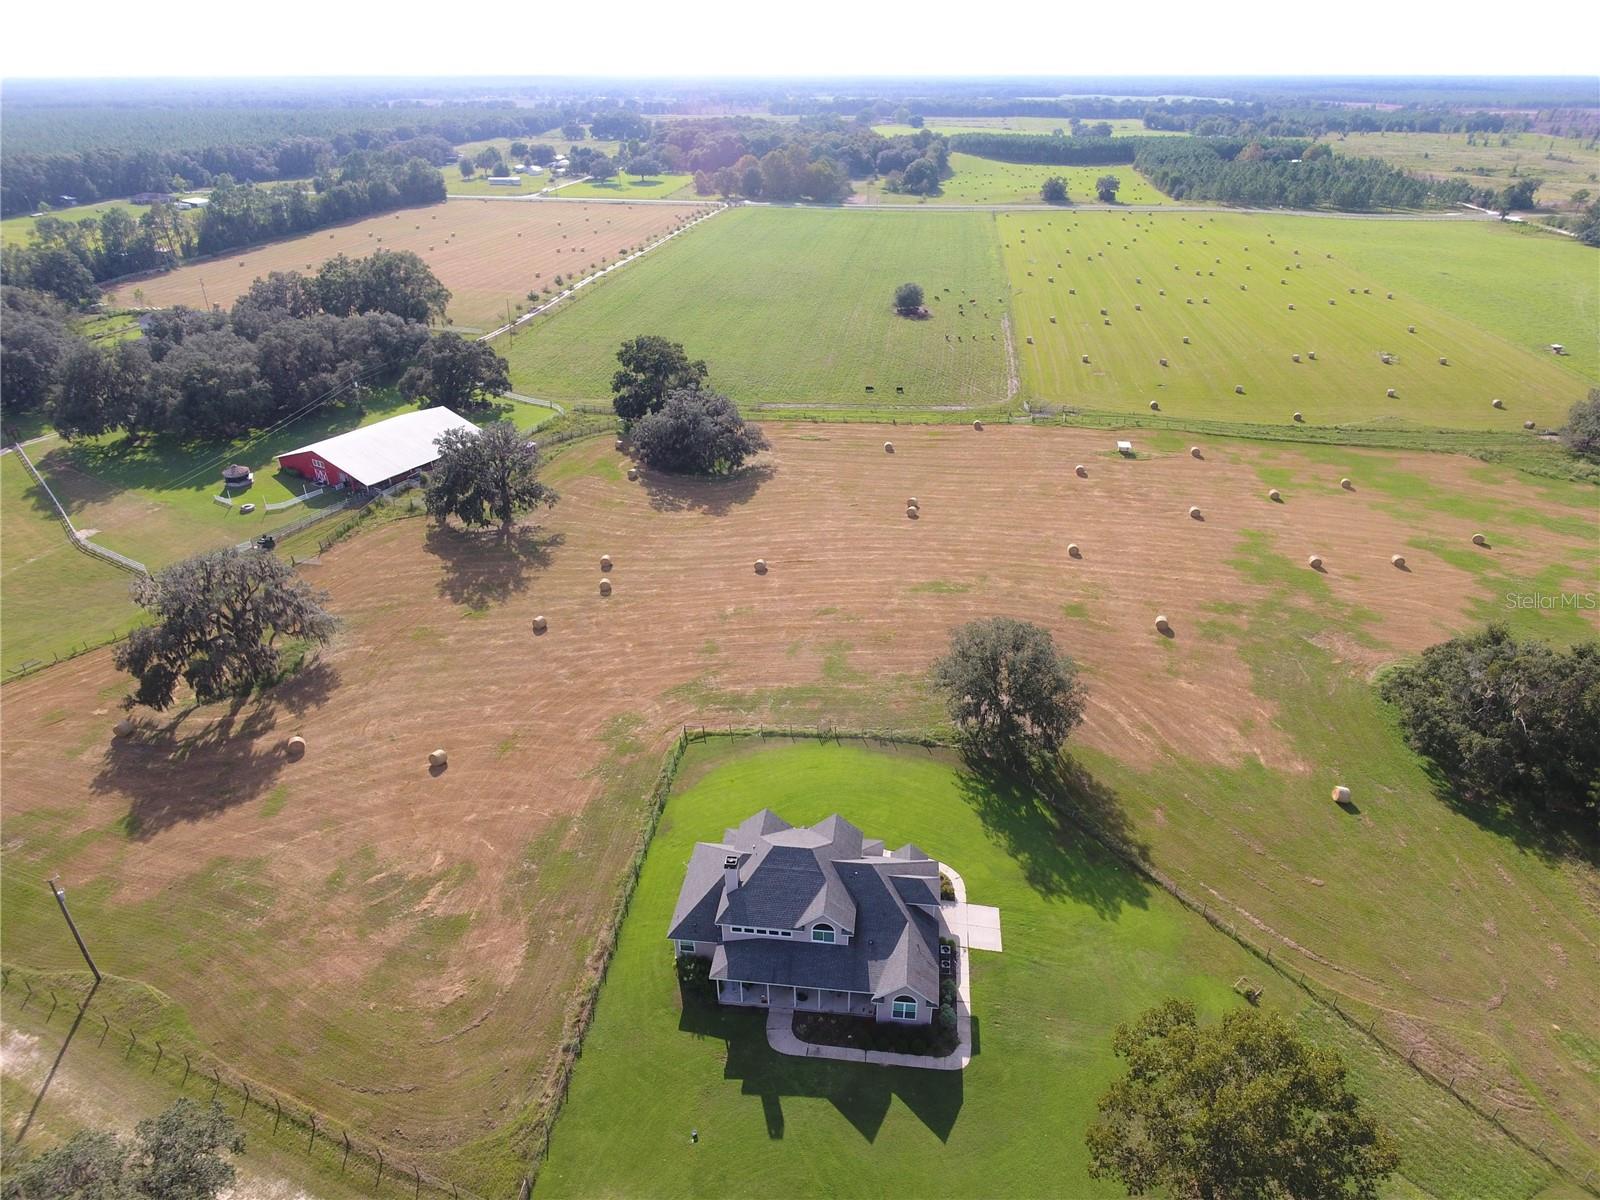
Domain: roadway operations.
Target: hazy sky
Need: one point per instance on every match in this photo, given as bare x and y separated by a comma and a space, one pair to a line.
809, 37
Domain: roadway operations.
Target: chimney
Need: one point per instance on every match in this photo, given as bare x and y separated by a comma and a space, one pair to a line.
730, 874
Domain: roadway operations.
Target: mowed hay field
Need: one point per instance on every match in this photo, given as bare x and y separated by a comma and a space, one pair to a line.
989, 181
399, 949
1227, 283
795, 307
489, 253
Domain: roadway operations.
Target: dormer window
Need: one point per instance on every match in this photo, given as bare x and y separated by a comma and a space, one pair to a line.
822, 933
904, 1008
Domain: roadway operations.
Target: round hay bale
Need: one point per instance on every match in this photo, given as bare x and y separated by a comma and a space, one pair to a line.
605, 587
1294, 358
1527, 424
1497, 403
1084, 357
1443, 361
123, 727
1195, 513
1479, 540
620, 444
1162, 361
1341, 794
295, 746
1391, 393
540, 624
913, 512
1398, 560
1299, 417
978, 425
1073, 551
1275, 496
911, 502
1411, 328
1194, 452
438, 758
761, 566
1081, 471
633, 474
1346, 485
1107, 321
1389, 296
1162, 624
1291, 308
605, 562
1103, 312
1238, 389
1312, 355
1030, 339
1052, 320
1314, 561
1185, 341
888, 447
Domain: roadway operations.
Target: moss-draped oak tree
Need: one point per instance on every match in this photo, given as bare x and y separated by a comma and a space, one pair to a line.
485, 475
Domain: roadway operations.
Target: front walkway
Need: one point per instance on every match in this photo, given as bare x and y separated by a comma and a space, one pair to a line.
973, 926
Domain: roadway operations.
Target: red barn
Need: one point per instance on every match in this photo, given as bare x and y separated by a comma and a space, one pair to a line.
377, 454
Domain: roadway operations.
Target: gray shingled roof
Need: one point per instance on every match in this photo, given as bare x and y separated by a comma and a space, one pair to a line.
792, 877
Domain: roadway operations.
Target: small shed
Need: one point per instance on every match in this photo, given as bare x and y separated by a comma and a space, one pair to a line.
1125, 449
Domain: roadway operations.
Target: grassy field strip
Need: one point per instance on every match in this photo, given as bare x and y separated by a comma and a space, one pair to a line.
988, 181
1090, 286
793, 305
1562, 164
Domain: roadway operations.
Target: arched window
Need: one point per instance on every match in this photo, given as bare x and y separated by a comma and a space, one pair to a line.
904, 1008
822, 933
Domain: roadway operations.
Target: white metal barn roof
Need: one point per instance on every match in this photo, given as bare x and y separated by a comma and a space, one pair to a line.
388, 448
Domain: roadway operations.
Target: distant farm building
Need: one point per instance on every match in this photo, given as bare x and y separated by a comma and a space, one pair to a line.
150, 198
505, 181
375, 455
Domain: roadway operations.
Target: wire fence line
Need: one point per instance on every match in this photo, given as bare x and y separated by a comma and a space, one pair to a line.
73, 535
256, 1105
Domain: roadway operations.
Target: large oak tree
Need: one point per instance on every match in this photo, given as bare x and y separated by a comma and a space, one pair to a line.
1009, 690
485, 476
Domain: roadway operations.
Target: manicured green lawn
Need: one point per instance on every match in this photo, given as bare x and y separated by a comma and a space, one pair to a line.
628, 187
1087, 945
1229, 280
19, 230
988, 181
793, 306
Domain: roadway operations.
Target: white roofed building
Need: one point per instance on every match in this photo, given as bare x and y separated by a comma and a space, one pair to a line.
376, 454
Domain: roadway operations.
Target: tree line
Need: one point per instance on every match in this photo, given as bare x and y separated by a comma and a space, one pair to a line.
68, 259
291, 342
1287, 174
1050, 148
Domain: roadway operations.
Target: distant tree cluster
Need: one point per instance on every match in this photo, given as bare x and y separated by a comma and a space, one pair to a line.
1054, 190
1279, 175
290, 341
1507, 721
68, 258
1582, 432
179, 1155
1047, 148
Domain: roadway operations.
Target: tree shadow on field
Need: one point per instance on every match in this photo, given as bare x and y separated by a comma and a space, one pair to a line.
699, 493
1551, 836
1043, 823
862, 1092
485, 568
204, 761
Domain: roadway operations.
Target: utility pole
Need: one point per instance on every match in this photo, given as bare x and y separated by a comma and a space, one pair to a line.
61, 899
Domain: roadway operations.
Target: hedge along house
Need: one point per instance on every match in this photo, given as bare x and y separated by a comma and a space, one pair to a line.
819, 919
378, 454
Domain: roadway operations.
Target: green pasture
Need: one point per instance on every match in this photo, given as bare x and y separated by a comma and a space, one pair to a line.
479, 185
630, 187
792, 306
19, 230
988, 181
1226, 281
1088, 944
1565, 165
152, 501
